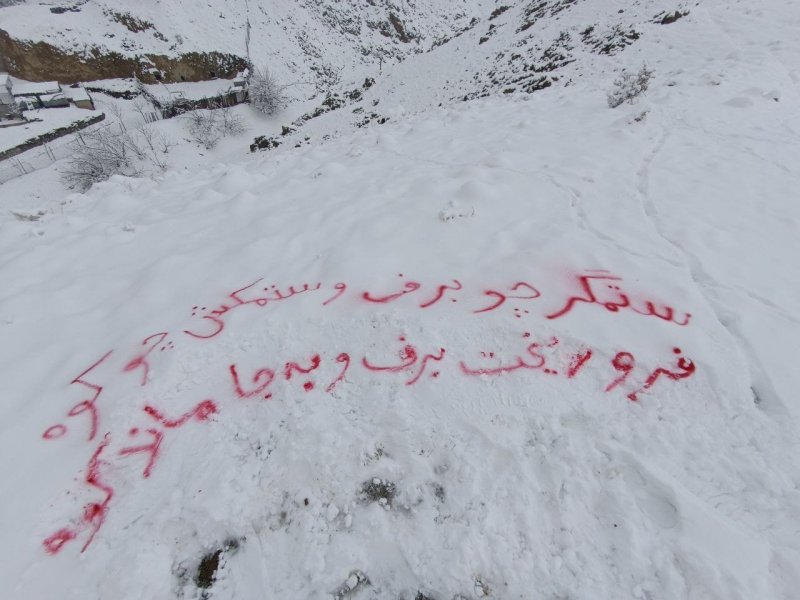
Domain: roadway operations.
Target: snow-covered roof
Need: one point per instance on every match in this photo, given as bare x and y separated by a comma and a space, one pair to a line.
76, 94
34, 88
4, 79
51, 97
194, 90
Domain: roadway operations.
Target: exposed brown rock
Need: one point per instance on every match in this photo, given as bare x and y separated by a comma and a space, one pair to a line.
40, 61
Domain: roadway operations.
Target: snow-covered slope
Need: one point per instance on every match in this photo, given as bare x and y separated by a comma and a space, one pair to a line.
524, 47
524, 346
308, 41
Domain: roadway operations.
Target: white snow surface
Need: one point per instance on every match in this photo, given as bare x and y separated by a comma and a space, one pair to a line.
522, 465
349, 37
42, 121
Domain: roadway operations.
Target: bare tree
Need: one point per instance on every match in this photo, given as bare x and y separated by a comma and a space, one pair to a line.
266, 95
154, 144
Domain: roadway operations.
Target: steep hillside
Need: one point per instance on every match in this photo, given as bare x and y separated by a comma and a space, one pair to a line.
308, 41
517, 48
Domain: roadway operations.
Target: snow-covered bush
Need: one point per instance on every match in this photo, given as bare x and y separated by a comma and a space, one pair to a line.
629, 86
265, 94
230, 123
206, 127
97, 154
202, 127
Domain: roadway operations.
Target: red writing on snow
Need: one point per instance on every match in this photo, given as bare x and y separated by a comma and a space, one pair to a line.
410, 358
600, 288
140, 361
94, 513
88, 405
588, 295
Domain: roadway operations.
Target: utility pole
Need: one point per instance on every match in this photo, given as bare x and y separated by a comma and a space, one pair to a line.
247, 34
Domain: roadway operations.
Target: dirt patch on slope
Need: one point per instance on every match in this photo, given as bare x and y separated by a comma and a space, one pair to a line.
39, 61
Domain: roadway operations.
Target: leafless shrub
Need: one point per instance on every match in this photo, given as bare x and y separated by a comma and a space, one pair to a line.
629, 86
230, 122
165, 143
208, 126
266, 94
97, 154
203, 128
154, 144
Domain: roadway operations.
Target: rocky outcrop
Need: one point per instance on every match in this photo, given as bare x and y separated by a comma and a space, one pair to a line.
40, 61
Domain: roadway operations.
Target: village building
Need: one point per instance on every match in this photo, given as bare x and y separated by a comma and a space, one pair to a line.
239, 89
47, 94
79, 96
7, 102
40, 94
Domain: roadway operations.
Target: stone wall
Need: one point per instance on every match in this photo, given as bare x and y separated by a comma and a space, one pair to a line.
50, 136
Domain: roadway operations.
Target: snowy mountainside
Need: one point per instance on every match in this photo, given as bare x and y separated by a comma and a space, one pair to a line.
518, 48
307, 41
524, 346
